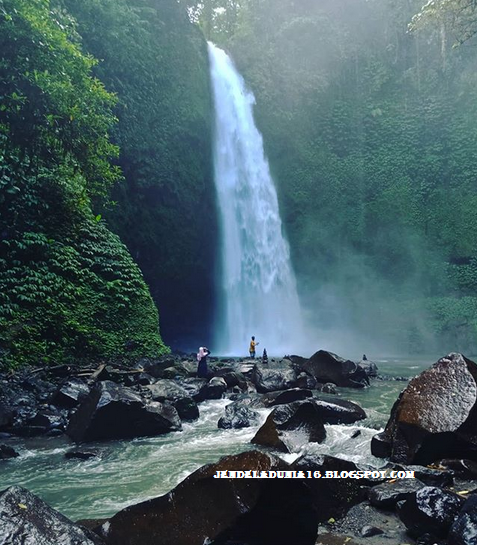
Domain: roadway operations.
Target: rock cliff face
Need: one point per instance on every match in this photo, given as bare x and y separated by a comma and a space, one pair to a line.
156, 62
435, 416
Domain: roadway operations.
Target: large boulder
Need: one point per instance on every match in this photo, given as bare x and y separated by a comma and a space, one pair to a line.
27, 520
272, 380
70, 393
7, 452
203, 509
237, 415
332, 497
214, 389
464, 528
328, 367
195, 388
431, 511
178, 396
114, 412
388, 494
232, 378
338, 411
289, 427
435, 416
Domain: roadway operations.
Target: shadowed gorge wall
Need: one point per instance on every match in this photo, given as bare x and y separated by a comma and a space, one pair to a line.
155, 60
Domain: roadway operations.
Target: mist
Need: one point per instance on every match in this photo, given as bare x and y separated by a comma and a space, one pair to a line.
369, 143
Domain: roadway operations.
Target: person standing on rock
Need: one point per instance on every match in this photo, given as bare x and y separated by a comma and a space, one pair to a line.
202, 362
253, 344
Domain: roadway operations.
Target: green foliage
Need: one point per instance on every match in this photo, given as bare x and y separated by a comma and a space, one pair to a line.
459, 16
72, 299
155, 61
371, 133
68, 288
51, 107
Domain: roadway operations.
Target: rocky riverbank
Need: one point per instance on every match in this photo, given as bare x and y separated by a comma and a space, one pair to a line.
157, 396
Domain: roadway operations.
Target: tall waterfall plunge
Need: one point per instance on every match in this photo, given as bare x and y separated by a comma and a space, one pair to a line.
258, 294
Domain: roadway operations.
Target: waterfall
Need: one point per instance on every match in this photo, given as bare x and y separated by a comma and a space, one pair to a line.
258, 294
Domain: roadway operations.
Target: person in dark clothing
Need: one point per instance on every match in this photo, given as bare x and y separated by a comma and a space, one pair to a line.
364, 357
265, 356
202, 362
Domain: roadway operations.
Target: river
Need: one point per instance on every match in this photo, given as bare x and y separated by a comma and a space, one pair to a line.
127, 472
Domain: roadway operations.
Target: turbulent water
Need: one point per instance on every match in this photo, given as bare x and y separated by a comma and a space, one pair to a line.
126, 472
258, 294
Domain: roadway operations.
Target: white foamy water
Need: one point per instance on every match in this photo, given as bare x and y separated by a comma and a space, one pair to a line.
127, 472
258, 294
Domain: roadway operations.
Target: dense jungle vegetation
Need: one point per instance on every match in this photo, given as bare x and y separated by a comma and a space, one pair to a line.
369, 115
107, 209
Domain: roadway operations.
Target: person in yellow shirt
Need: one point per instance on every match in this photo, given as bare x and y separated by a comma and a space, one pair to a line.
253, 344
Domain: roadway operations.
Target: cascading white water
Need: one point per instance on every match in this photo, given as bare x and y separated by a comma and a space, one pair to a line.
258, 294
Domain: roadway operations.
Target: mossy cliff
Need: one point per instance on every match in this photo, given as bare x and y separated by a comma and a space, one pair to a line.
155, 60
68, 287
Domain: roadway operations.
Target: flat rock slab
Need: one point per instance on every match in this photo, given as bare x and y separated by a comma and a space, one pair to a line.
386, 495
348, 530
339, 411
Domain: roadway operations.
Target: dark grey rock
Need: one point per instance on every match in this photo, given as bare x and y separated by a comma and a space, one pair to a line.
177, 395
272, 380
7, 452
430, 510
464, 529
363, 516
328, 388
328, 367
386, 495
70, 393
466, 469
381, 445
27, 520
339, 411
305, 381
289, 396
81, 454
370, 531
232, 378
222, 510
289, 427
115, 412
370, 368
237, 416
214, 389
435, 416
